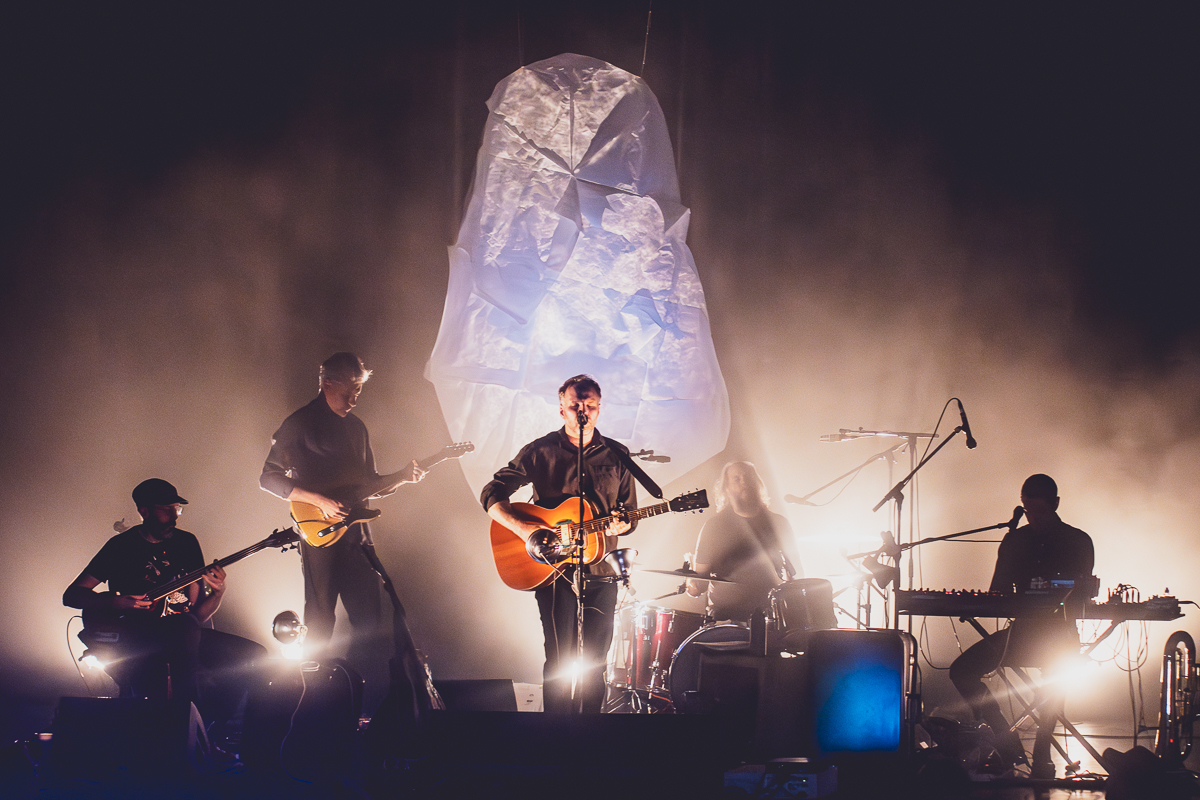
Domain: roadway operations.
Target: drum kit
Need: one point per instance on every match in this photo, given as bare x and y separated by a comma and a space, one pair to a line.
655, 659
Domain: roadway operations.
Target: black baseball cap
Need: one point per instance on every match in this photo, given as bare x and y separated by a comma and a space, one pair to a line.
155, 492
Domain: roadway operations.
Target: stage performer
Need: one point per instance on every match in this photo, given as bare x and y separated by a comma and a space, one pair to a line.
175, 652
550, 464
1045, 549
744, 542
318, 449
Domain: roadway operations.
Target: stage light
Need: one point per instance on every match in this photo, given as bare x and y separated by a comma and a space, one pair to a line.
91, 662
1073, 672
290, 632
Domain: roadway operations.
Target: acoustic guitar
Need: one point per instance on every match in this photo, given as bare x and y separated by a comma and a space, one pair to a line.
321, 531
104, 624
528, 564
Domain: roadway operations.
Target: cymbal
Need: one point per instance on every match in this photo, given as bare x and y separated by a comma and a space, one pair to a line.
690, 573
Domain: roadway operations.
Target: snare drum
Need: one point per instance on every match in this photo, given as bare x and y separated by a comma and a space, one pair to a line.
684, 679
799, 607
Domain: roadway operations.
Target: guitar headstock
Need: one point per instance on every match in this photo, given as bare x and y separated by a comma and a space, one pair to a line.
457, 450
692, 501
284, 537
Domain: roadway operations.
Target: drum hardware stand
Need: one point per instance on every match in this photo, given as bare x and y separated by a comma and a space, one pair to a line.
857, 582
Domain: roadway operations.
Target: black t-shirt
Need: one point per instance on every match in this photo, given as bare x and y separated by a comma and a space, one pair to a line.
750, 551
131, 565
1055, 550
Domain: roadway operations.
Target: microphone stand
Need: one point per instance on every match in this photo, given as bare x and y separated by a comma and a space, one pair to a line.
883, 454
580, 541
897, 494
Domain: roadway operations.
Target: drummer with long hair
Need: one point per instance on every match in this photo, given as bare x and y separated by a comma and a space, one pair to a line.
746, 543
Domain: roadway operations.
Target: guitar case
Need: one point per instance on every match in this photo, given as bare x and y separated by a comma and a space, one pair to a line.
302, 720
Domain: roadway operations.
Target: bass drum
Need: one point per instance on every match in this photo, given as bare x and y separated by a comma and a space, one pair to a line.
684, 678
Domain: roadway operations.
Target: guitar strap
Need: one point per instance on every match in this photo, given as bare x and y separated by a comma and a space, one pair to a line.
645, 480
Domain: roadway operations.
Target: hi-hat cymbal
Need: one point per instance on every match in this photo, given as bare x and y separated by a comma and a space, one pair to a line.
690, 573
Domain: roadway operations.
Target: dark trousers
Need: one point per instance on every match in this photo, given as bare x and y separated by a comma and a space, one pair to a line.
987, 655
339, 570
210, 668
558, 606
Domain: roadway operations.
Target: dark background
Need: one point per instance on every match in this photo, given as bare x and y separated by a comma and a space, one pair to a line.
892, 204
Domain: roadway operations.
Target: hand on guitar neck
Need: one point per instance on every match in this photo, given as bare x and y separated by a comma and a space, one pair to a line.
316, 513
335, 510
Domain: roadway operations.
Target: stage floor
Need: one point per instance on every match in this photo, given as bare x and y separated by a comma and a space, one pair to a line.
500, 755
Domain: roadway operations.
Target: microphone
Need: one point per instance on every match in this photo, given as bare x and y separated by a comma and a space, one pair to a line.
791, 498
581, 418
971, 443
1018, 512
844, 435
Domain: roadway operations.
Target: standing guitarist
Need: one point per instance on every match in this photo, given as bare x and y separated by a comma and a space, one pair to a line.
318, 449
203, 665
551, 465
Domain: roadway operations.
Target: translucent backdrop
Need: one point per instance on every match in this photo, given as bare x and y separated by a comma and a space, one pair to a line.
572, 258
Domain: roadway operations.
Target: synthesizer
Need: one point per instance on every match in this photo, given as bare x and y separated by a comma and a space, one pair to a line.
969, 603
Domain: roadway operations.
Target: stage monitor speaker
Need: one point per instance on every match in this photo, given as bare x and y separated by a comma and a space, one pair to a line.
113, 740
861, 691
478, 695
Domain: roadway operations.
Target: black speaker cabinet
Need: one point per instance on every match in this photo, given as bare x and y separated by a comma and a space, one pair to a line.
862, 692
112, 740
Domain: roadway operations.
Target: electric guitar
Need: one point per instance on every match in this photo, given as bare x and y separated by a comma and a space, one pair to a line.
321, 531
527, 564
105, 624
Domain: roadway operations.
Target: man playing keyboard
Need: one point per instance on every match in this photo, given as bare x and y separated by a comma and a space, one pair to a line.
1043, 550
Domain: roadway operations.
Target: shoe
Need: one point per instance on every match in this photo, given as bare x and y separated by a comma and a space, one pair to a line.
1010, 749
1042, 771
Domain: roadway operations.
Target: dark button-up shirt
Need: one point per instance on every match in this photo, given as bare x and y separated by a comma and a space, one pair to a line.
320, 451
550, 464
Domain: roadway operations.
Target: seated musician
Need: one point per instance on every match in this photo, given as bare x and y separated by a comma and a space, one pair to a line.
1046, 548
166, 649
744, 542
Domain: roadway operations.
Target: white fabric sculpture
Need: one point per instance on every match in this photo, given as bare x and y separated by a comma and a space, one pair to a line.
572, 259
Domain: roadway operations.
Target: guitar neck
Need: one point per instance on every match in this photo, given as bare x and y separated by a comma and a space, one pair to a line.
195, 575
600, 523
386, 484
